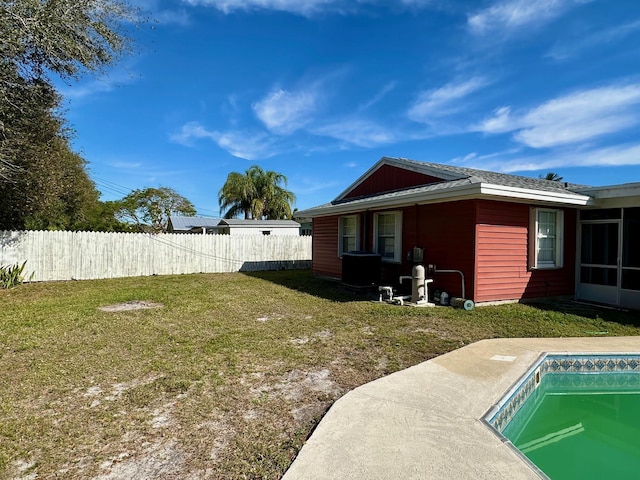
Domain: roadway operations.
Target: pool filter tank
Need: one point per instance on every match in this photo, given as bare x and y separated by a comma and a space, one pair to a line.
417, 284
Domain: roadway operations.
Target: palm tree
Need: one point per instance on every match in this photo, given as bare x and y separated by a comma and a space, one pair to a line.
257, 194
554, 177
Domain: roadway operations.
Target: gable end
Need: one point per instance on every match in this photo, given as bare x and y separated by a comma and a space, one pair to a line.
389, 178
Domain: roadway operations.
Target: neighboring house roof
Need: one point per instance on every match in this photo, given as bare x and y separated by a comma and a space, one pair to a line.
456, 183
186, 224
237, 222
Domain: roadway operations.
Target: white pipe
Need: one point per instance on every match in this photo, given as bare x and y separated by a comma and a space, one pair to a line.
453, 271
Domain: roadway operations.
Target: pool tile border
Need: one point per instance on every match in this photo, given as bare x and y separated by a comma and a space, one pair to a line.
501, 414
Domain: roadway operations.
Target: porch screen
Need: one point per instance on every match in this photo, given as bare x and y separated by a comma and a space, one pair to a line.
630, 250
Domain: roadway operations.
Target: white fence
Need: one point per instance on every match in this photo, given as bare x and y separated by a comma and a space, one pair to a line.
90, 255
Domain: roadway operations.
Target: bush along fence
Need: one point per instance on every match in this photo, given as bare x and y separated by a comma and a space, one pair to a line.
56, 255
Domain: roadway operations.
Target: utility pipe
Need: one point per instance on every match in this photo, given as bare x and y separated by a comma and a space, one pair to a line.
435, 270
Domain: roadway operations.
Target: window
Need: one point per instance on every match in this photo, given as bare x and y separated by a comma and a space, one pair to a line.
348, 234
387, 235
546, 232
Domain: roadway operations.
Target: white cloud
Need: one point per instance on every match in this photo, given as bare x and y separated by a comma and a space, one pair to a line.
586, 43
300, 7
570, 119
361, 133
126, 165
284, 112
190, 131
615, 156
172, 17
474, 160
501, 122
378, 96
513, 14
241, 144
444, 100
93, 86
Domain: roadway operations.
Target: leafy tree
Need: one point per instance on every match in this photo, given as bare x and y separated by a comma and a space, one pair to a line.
149, 209
256, 194
43, 183
65, 37
102, 218
43, 37
554, 177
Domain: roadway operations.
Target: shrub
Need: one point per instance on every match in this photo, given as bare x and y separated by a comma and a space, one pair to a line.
11, 275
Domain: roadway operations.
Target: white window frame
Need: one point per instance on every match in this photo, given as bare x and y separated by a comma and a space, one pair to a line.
536, 234
397, 257
341, 235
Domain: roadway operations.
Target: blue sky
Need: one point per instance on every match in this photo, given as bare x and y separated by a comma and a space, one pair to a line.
319, 90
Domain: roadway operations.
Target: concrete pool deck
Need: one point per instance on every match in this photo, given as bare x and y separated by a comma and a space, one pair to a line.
424, 422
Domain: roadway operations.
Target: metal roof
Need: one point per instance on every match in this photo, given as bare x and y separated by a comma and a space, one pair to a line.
180, 223
237, 222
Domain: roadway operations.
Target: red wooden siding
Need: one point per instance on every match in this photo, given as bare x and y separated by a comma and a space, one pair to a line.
486, 240
388, 178
502, 272
446, 231
325, 260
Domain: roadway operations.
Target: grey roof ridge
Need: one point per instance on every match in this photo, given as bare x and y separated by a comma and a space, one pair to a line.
453, 172
467, 171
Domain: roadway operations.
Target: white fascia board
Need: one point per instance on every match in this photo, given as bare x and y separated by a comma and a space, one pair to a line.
458, 193
463, 192
520, 194
613, 191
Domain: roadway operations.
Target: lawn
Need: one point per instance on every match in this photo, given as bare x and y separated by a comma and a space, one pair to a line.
225, 377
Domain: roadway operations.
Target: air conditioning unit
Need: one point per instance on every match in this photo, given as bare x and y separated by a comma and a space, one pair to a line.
361, 269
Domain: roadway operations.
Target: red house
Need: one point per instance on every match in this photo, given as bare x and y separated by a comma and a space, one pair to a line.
513, 237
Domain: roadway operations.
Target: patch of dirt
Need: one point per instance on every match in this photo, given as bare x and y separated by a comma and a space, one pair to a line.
25, 470
323, 335
160, 460
306, 414
300, 341
295, 384
97, 393
131, 305
266, 318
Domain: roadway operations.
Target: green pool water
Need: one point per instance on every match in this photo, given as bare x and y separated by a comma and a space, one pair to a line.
581, 426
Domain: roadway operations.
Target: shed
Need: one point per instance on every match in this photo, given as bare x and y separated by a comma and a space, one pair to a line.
181, 224
234, 226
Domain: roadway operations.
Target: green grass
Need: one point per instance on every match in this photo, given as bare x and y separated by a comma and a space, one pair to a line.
225, 380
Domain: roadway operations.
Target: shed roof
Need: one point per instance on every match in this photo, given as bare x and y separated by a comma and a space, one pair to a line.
181, 223
238, 222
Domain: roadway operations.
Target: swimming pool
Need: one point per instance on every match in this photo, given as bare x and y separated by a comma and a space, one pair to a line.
575, 416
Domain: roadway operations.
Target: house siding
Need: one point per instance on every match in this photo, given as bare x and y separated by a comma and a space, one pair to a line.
502, 272
446, 232
486, 240
325, 260
449, 245
388, 178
